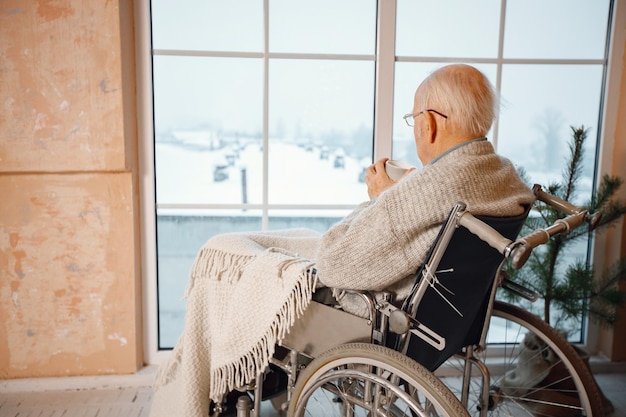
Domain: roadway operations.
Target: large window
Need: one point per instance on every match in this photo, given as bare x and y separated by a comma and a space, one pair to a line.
266, 112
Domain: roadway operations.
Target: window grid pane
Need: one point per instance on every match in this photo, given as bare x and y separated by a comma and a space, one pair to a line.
448, 28
320, 108
213, 147
234, 26
560, 29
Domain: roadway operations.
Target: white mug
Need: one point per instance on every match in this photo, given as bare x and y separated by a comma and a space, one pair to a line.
396, 169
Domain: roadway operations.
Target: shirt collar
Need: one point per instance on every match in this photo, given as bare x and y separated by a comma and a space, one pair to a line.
460, 145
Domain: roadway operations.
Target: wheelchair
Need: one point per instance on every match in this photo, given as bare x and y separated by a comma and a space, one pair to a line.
451, 349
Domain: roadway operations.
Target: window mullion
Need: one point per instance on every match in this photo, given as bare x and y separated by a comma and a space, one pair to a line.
498, 84
385, 61
265, 196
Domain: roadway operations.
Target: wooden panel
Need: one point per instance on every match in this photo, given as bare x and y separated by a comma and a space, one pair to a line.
67, 275
61, 86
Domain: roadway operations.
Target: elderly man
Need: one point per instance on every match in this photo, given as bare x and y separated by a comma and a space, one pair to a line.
378, 245
246, 290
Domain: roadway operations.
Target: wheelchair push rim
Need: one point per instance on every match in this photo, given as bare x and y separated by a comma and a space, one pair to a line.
360, 379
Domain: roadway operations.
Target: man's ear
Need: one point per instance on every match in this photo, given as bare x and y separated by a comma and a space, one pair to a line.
431, 127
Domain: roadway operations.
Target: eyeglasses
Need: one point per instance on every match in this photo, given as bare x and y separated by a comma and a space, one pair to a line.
409, 118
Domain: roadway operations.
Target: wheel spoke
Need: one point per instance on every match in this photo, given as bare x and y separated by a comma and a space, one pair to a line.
532, 371
364, 380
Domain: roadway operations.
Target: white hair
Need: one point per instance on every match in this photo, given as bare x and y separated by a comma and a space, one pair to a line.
462, 93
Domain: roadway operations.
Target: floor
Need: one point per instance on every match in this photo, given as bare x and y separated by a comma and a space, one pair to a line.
614, 387
130, 396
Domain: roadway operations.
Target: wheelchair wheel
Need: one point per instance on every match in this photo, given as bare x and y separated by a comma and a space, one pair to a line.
363, 380
533, 371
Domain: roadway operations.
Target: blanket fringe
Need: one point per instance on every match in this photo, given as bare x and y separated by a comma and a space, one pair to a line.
218, 265
167, 374
245, 369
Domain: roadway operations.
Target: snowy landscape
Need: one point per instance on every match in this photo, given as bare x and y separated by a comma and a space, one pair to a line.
298, 173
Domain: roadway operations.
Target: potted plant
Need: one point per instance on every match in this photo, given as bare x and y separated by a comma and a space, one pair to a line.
570, 288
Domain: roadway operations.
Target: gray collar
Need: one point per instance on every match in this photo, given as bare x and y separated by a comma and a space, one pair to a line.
460, 145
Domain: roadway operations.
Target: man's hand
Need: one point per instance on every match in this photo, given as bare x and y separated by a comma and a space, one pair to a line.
377, 179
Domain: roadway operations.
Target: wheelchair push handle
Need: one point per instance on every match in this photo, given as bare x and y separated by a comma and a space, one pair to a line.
575, 217
537, 237
519, 250
566, 207
486, 233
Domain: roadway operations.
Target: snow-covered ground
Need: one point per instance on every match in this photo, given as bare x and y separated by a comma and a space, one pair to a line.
296, 175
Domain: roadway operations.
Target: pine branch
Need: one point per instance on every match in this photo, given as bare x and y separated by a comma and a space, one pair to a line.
574, 167
574, 291
608, 187
605, 296
604, 203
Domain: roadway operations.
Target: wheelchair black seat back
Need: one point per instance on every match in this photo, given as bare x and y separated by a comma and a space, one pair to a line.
455, 306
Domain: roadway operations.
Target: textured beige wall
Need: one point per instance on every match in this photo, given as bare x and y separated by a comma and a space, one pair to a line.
66, 260
69, 259
617, 350
611, 244
60, 86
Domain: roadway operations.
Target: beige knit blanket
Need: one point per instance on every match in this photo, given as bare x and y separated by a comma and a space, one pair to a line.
244, 294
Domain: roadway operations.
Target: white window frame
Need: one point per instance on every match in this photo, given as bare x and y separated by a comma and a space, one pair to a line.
383, 127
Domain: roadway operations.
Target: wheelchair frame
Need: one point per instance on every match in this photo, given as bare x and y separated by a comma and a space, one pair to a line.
325, 357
